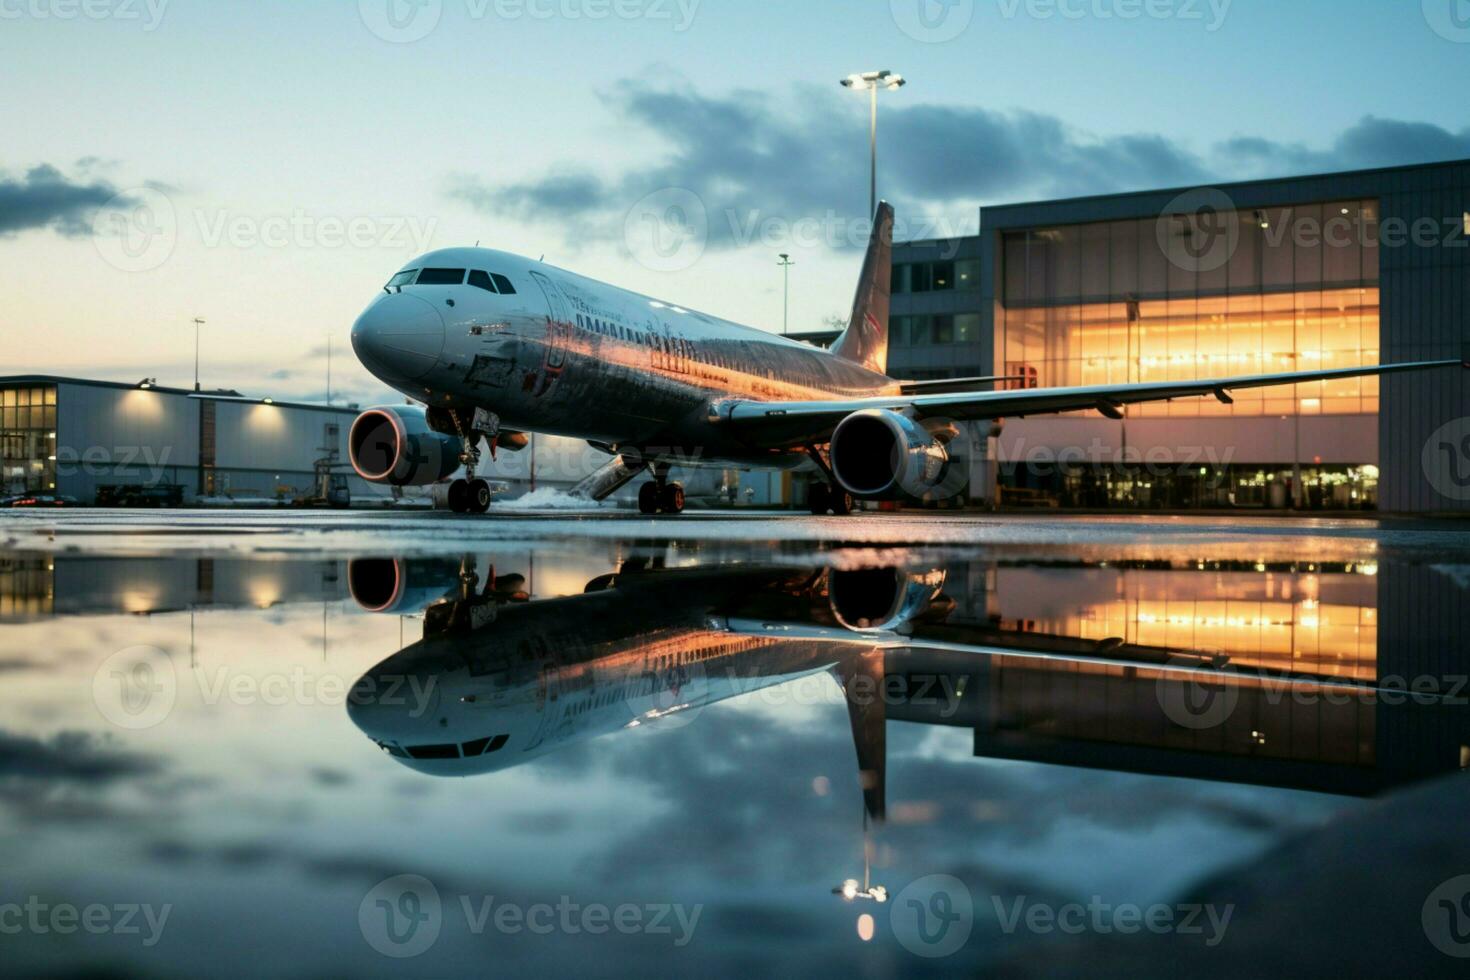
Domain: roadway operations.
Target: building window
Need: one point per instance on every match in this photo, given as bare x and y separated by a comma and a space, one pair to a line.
924, 277
1297, 291
28, 439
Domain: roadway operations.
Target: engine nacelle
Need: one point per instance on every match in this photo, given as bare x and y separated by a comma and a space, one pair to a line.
396, 585
884, 599
878, 454
395, 445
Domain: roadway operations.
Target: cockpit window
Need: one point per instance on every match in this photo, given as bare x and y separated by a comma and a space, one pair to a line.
503, 284
450, 751
482, 280
441, 277
484, 746
402, 279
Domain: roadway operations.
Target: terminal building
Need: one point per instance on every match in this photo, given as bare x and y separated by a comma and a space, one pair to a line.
1261, 277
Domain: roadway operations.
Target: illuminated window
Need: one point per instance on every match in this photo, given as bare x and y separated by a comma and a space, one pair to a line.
1286, 289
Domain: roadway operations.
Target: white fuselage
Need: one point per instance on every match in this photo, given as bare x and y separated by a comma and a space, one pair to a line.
567, 355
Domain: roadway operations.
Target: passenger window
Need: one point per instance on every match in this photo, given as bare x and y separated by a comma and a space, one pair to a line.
481, 280
441, 277
503, 284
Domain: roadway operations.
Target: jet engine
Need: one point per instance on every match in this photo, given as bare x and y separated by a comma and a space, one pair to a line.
879, 454
885, 599
396, 445
399, 585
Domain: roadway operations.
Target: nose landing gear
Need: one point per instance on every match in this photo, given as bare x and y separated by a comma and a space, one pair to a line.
471, 495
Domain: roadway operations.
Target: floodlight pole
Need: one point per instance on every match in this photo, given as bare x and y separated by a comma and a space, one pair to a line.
785, 265
198, 322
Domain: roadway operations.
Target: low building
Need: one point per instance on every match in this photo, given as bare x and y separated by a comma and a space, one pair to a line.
102, 441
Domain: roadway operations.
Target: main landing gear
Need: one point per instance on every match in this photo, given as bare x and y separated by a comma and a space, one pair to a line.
827, 498
824, 499
661, 496
469, 496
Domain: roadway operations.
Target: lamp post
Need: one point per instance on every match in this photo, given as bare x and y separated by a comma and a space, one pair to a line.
786, 263
871, 82
198, 322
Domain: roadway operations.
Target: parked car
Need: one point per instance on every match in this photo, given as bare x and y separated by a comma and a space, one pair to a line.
40, 500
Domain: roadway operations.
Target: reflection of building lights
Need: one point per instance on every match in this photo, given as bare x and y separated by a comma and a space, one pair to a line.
139, 600
851, 890
264, 592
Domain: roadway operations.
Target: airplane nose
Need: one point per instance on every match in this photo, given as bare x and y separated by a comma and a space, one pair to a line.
393, 706
399, 336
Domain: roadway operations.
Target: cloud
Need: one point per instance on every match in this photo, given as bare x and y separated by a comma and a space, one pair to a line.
46, 198
70, 757
749, 158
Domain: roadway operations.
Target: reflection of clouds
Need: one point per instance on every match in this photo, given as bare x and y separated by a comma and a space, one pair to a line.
739, 808
69, 757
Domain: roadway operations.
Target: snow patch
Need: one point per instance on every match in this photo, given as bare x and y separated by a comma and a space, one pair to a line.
549, 498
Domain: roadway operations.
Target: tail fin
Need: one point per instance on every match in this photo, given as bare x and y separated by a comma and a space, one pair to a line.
866, 338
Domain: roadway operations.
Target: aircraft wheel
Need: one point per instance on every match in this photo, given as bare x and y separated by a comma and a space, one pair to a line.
819, 498
672, 501
648, 499
842, 502
459, 496
478, 497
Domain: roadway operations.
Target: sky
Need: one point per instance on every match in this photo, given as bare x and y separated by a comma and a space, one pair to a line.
267, 165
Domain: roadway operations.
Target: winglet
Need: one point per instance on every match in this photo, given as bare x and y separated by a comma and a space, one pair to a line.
866, 338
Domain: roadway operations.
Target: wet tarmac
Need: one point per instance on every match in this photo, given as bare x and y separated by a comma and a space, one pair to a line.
731, 743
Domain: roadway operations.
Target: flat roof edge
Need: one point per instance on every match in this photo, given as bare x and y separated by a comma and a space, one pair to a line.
1222, 185
223, 396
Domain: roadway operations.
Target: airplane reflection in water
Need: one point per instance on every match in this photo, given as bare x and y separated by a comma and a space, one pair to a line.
1267, 699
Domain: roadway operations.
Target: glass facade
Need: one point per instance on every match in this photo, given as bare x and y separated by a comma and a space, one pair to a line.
28, 439
1199, 296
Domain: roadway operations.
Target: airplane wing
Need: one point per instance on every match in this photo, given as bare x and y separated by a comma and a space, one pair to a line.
952, 384
805, 420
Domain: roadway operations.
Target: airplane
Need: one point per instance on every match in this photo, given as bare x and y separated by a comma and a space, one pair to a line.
495, 346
